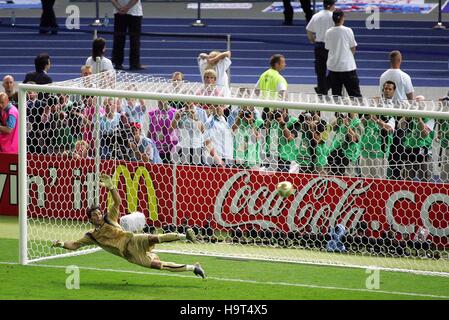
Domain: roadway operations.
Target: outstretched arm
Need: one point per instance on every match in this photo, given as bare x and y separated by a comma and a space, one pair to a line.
69, 245
73, 245
106, 181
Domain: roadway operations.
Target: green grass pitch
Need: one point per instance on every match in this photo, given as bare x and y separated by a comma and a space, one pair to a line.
104, 276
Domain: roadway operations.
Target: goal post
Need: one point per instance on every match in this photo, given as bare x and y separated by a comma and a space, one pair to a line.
355, 205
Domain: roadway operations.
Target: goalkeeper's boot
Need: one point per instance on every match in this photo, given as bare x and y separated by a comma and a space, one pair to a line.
190, 235
198, 271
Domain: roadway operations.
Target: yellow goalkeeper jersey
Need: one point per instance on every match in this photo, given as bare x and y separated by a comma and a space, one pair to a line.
110, 236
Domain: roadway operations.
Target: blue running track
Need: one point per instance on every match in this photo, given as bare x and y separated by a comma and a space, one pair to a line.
425, 50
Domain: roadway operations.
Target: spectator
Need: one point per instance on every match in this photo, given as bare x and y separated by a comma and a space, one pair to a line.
316, 31
244, 92
88, 113
10, 89
177, 79
218, 139
404, 86
58, 133
210, 87
287, 133
48, 19
418, 137
340, 42
98, 51
288, 11
443, 137
35, 109
109, 125
86, 70
220, 62
246, 129
9, 133
345, 148
42, 64
281, 133
127, 19
88, 82
143, 148
81, 150
134, 110
189, 124
377, 138
160, 130
313, 150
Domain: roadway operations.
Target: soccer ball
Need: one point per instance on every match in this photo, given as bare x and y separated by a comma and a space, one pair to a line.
285, 189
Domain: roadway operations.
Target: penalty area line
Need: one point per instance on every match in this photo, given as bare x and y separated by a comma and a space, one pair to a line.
269, 283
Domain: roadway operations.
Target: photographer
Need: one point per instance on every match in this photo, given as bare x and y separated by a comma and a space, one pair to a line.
189, 122
378, 137
345, 147
443, 137
313, 150
418, 137
142, 148
246, 130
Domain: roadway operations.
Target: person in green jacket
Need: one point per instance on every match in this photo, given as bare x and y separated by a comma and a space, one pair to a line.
419, 134
344, 151
246, 130
443, 137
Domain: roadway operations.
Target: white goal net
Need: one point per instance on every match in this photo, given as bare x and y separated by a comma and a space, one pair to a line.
371, 176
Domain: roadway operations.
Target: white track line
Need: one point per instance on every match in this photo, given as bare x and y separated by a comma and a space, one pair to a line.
193, 57
270, 283
255, 35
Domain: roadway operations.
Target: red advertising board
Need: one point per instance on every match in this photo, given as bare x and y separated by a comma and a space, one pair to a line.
227, 198
8, 184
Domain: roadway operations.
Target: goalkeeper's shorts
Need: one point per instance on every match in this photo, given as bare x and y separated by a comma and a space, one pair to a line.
138, 251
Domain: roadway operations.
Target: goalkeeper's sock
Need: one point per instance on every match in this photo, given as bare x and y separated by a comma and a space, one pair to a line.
174, 267
169, 237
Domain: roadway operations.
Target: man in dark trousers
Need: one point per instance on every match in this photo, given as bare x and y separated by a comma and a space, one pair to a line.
48, 18
288, 11
341, 44
127, 19
316, 31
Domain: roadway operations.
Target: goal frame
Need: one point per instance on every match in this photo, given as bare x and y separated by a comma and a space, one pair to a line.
360, 107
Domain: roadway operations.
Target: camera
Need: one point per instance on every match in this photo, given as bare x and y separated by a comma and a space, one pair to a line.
247, 114
341, 115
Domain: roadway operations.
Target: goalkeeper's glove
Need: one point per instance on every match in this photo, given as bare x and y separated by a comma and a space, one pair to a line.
57, 244
106, 181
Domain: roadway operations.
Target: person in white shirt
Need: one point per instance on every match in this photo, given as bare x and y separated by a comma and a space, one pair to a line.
189, 125
404, 86
220, 62
127, 19
340, 42
98, 50
316, 30
218, 139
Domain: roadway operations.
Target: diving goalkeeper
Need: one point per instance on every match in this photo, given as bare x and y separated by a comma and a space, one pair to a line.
136, 248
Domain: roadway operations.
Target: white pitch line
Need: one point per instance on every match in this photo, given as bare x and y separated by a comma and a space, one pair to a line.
270, 283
